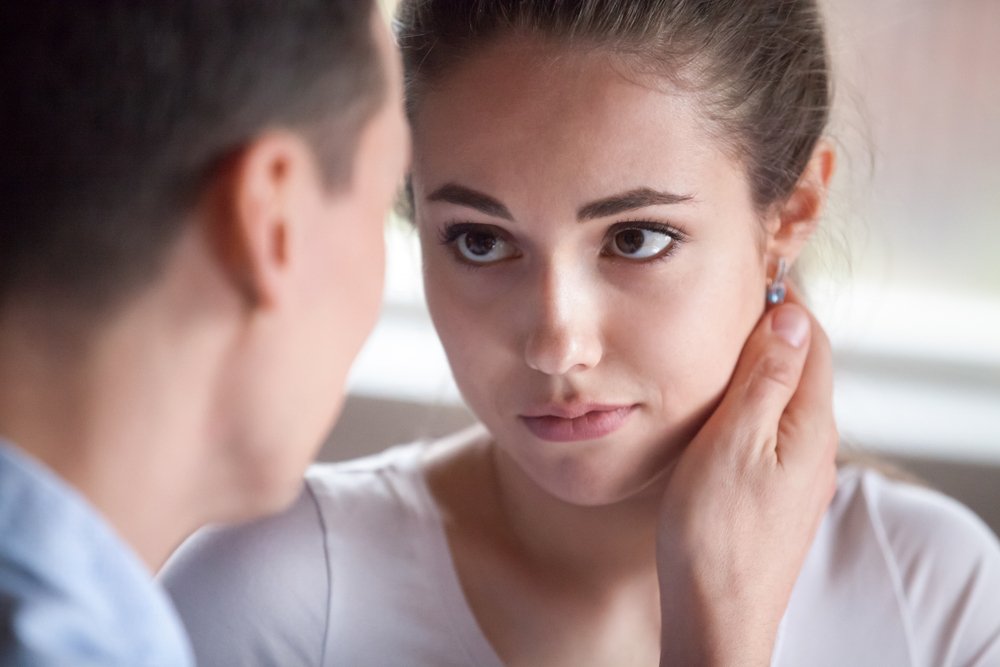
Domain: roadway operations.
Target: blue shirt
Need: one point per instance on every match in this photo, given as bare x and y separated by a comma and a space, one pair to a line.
72, 593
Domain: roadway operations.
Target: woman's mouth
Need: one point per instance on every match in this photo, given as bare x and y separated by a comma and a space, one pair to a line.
563, 424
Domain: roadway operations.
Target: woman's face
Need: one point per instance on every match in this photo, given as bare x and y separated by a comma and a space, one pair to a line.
593, 262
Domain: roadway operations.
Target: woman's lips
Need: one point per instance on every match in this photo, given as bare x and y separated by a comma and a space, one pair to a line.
591, 424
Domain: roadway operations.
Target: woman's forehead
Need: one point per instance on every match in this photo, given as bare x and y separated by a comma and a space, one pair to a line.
537, 168
499, 114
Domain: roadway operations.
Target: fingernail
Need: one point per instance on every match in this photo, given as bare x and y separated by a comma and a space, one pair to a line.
791, 324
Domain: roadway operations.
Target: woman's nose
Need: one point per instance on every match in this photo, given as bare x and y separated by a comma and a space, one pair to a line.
564, 334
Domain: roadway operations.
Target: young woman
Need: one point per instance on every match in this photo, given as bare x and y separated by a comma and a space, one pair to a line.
605, 192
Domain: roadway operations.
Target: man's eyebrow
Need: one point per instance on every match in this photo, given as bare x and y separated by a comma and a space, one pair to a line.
454, 193
627, 201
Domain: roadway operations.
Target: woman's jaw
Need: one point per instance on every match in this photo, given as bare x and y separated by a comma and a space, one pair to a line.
591, 454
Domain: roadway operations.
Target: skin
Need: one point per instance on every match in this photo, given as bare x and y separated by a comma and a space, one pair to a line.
206, 395
554, 541
746, 497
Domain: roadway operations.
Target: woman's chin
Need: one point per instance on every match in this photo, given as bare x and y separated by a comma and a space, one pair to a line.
590, 482
632, 463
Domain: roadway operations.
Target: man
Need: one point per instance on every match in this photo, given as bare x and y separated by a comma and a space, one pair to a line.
190, 257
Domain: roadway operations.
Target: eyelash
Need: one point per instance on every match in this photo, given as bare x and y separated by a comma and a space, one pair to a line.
679, 238
451, 232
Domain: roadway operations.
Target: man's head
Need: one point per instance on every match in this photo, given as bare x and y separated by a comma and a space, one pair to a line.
117, 113
207, 177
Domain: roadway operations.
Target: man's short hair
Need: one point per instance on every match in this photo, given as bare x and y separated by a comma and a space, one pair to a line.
114, 114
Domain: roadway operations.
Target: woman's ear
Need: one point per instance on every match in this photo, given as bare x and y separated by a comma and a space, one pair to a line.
793, 224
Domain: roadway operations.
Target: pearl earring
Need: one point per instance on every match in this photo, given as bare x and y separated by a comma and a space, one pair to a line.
776, 289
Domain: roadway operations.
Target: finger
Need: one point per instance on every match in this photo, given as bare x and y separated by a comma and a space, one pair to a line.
807, 431
768, 372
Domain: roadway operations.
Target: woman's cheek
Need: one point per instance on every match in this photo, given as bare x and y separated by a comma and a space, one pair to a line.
690, 340
463, 325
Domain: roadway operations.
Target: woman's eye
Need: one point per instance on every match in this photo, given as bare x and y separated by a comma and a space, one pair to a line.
483, 247
639, 243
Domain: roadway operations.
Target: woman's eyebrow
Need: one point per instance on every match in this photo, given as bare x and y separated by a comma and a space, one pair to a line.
453, 193
627, 201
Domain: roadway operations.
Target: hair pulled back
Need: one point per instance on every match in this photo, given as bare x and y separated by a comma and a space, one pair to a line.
760, 67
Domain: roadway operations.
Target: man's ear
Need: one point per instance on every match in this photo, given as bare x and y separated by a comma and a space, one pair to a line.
793, 224
256, 205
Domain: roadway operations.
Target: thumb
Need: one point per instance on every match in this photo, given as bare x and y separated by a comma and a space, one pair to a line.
768, 372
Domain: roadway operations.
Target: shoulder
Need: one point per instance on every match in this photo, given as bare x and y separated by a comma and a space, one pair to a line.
376, 513
290, 543
254, 593
268, 544
369, 498
941, 560
915, 524
262, 592
68, 583
380, 478
393, 586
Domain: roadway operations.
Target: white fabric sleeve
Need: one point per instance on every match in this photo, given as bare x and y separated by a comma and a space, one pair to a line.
947, 567
256, 593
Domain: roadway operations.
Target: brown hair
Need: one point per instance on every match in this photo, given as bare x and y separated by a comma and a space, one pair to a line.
117, 113
760, 66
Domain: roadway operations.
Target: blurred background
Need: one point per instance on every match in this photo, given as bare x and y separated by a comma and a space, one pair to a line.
905, 274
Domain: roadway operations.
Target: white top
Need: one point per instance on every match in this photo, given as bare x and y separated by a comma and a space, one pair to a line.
358, 572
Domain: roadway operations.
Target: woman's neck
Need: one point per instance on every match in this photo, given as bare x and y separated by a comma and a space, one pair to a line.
484, 494
608, 543
549, 582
